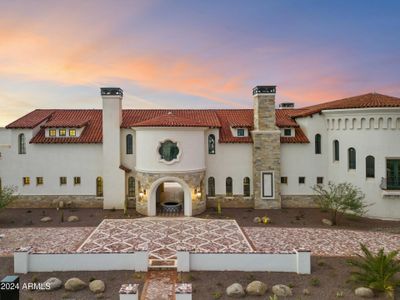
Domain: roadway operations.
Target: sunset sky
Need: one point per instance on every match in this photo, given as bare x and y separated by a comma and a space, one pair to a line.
194, 54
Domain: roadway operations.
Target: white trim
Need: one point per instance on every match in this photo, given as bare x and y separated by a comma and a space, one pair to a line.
272, 184
175, 160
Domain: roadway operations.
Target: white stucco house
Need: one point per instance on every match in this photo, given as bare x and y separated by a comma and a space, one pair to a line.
156, 160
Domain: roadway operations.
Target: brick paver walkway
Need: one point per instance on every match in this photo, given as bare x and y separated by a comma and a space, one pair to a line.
322, 242
159, 285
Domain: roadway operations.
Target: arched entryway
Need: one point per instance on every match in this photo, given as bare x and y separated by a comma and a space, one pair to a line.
159, 194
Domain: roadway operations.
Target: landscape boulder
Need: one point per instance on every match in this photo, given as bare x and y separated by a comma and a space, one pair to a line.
46, 219
235, 290
74, 284
97, 286
257, 220
327, 222
53, 283
364, 292
256, 288
73, 219
282, 290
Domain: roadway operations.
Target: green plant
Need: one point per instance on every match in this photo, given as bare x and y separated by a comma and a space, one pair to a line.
340, 198
34, 279
191, 277
7, 195
376, 271
315, 281
92, 279
273, 297
216, 295
291, 285
321, 263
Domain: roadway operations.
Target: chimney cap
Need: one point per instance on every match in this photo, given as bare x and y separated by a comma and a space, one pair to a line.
111, 91
264, 89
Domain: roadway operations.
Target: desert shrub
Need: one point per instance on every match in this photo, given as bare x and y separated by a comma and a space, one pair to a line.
340, 198
7, 195
315, 282
376, 271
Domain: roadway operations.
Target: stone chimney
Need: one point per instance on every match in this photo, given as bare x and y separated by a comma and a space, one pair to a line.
266, 149
113, 176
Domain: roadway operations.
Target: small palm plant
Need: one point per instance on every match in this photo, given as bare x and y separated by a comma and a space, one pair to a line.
377, 271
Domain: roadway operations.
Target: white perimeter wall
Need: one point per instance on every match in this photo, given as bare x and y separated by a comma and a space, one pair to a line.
51, 161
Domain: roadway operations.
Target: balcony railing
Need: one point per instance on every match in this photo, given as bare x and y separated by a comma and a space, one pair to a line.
390, 183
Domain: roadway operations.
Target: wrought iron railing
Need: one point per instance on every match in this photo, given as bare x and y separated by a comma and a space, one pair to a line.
390, 183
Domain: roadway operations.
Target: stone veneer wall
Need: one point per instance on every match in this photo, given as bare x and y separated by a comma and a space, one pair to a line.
299, 201
266, 149
45, 201
193, 180
236, 201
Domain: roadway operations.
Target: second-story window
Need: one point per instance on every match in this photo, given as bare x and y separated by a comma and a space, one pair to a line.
72, 132
63, 180
52, 132
62, 132
129, 144
318, 144
240, 132
211, 144
21, 144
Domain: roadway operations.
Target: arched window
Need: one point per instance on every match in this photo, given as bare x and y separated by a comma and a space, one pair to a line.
129, 144
246, 186
211, 144
229, 187
336, 150
352, 158
131, 186
211, 186
370, 166
21, 144
99, 187
318, 144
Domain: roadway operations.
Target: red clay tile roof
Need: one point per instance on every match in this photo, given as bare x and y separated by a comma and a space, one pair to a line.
223, 119
92, 134
32, 119
298, 138
170, 120
132, 117
234, 118
362, 101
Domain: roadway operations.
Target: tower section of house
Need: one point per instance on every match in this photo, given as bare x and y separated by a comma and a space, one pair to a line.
113, 175
266, 150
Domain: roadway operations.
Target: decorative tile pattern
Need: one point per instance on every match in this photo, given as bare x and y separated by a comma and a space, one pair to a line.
43, 240
164, 236
321, 242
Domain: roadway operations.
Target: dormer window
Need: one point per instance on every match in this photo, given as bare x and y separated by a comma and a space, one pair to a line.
240, 132
52, 132
72, 132
62, 132
287, 132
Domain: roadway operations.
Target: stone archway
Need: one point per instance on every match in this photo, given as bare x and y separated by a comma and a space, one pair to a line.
187, 198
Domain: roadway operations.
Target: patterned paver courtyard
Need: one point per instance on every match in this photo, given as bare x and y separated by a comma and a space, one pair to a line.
162, 236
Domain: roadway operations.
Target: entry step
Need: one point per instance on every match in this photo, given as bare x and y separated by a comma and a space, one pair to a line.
162, 264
